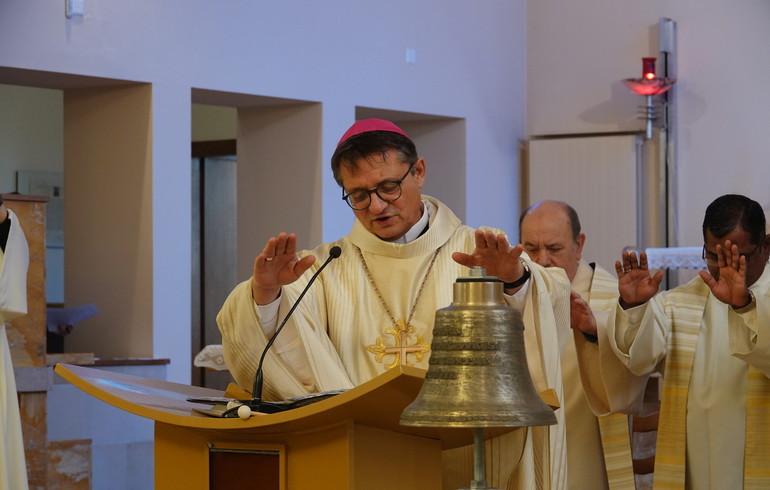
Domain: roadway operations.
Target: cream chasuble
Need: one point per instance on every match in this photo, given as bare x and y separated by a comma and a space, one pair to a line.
13, 304
346, 336
599, 448
715, 409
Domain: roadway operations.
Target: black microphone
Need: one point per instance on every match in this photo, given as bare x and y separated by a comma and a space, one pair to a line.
256, 404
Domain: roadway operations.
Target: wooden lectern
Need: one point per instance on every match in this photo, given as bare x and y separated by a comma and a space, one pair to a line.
349, 441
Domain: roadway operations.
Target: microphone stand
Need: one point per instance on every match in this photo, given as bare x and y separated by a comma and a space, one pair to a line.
256, 404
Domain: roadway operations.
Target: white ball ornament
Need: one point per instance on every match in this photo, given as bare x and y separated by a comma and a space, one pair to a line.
244, 412
232, 404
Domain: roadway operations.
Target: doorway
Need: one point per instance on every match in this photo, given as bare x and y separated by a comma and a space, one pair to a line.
214, 247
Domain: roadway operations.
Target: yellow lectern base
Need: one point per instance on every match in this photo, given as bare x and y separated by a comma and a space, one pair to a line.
342, 456
350, 441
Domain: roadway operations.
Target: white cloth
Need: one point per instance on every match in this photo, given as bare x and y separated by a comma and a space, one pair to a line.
341, 322
716, 405
211, 357
13, 304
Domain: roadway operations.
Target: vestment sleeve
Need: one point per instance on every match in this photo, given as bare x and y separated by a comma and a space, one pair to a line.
638, 335
610, 387
749, 334
546, 330
243, 341
547, 293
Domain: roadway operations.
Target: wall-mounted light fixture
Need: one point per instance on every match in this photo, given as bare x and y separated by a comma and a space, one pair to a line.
649, 85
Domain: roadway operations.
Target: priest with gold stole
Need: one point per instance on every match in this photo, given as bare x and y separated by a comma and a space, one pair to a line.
14, 259
711, 339
598, 440
374, 307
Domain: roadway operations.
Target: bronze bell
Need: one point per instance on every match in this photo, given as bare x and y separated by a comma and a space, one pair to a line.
478, 374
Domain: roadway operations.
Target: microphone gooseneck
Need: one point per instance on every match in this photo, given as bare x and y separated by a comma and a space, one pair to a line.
256, 403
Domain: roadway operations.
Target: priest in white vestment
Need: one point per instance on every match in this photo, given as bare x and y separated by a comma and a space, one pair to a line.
397, 267
711, 339
550, 233
14, 259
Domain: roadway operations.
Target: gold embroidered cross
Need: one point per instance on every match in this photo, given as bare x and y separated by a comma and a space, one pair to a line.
401, 350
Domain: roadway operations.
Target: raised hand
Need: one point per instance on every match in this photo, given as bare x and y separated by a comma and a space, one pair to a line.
495, 255
730, 284
580, 315
635, 284
277, 265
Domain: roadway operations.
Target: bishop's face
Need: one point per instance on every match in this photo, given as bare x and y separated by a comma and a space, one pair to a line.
387, 220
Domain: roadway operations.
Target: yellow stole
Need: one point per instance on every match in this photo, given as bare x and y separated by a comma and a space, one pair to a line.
614, 430
685, 306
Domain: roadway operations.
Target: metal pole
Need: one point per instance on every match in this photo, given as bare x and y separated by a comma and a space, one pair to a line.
667, 141
649, 114
479, 482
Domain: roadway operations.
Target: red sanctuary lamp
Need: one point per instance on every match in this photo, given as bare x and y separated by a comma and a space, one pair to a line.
648, 68
648, 86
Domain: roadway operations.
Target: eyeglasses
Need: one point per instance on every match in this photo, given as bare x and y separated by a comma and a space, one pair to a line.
712, 258
388, 191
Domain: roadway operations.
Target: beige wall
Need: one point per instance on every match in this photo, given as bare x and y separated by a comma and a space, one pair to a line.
108, 218
279, 178
213, 123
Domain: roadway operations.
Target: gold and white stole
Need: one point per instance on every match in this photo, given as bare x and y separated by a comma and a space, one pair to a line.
685, 306
614, 428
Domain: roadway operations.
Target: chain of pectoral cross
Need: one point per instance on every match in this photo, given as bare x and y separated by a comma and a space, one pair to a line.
401, 331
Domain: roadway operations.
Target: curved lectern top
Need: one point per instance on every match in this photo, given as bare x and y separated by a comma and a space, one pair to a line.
376, 403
